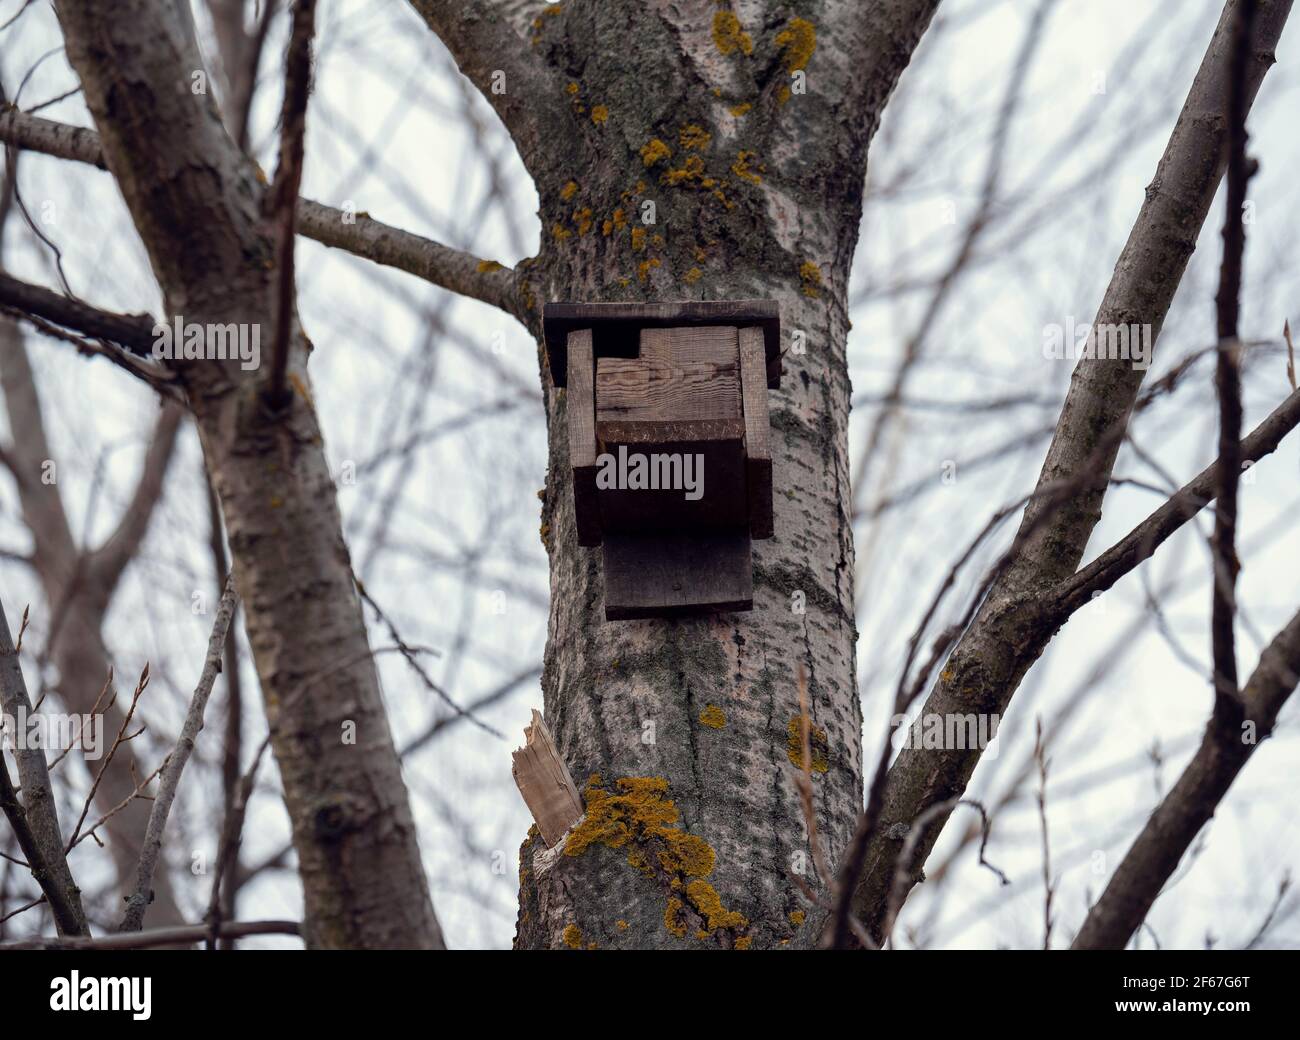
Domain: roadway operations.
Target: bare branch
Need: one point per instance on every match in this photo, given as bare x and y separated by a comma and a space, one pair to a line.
1009, 633
36, 822
139, 900
281, 200
358, 233
182, 935
1225, 749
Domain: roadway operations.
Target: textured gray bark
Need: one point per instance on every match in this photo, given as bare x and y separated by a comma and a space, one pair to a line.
197, 205
764, 203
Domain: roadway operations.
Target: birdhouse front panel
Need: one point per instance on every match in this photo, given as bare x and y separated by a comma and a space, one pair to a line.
669, 446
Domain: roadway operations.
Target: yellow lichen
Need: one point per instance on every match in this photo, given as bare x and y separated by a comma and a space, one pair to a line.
670, 918
796, 917
818, 746
694, 137
599, 113
582, 217
741, 168
811, 276
728, 35
712, 716
704, 897
797, 40
573, 937
638, 239
559, 232
690, 278
690, 170
744, 942
572, 88
653, 151
644, 267
622, 925
741, 109
484, 266
569, 190
640, 817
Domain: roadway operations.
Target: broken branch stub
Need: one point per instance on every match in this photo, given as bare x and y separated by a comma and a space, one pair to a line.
544, 781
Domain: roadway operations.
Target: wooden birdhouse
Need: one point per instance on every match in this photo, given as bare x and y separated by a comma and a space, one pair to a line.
669, 444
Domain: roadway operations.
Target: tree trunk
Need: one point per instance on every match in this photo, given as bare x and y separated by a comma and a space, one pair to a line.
682, 734
197, 203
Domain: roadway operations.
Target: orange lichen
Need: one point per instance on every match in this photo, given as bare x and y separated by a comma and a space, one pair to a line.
638, 239
796, 917
797, 40
582, 217
704, 897
744, 942
712, 716
599, 114
728, 35
690, 278
559, 232
741, 109
653, 151
572, 88
670, 918
644, 267
622, 925
741, 168
694, 137
484, 266
569, 190
640, 817
817, 743
573, 937
691, 170
811, 276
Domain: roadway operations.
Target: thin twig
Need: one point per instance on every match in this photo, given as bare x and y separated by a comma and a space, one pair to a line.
139, 900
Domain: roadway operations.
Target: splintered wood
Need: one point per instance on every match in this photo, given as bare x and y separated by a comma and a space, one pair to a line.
544, 782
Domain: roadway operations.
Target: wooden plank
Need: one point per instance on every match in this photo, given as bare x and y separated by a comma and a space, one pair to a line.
716, 343
668, 574
616, 327
758, 450
581, 406
543, 780
682, 374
